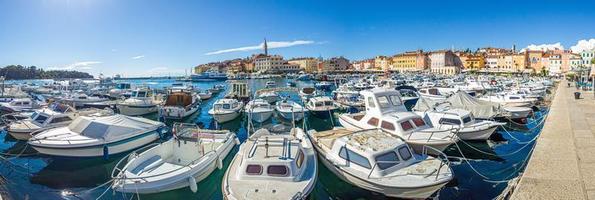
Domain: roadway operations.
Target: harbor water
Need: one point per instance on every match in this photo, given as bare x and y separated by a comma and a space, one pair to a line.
481, 169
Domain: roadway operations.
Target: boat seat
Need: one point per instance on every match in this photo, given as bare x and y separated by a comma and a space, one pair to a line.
148, 164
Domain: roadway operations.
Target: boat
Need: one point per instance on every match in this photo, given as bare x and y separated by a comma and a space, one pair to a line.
409, 96
225, 110
216, 89
205, 94
259, 110
239, 90
90, 136
179, 104
290, 84
385, 110
270, 84
304, 77
321, 106
208, 76
380, 162
53, 116
141, 102
323, 85
19, 105
80, 99
269, 96
272, 166
468, 128
307, 93
182, 161
290, 110
510, 100
120, 90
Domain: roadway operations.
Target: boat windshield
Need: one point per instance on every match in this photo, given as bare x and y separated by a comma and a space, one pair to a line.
226, 106
40, 118
395, 100
328, 103
134, 93
387, 160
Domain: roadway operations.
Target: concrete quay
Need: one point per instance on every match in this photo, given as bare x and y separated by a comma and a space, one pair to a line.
562, 165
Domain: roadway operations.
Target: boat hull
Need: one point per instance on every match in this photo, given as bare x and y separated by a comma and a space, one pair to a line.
297, 116
483, 134
226, 117
409, 193
323, 114
177, 113
177, 182
98, 150
260, 116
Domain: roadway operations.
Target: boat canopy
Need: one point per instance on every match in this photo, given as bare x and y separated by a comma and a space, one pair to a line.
111, 127
462, 100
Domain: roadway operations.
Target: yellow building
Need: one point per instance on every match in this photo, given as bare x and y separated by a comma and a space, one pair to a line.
404, 62
519, 62
309, 65
475, 61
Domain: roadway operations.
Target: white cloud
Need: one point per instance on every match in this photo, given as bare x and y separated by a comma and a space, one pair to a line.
583, 45
138, 57
544, 47
270, 45
86, 65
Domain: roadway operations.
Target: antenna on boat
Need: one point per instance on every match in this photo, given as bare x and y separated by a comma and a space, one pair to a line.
266, 147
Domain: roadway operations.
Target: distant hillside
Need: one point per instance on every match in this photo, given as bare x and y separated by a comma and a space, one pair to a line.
18, 72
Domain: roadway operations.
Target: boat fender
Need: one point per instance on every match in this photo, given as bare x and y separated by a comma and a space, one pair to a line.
105, 152
219, 163
192, 184
237, 140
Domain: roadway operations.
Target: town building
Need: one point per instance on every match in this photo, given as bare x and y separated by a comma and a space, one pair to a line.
491, 62
443, 62
273, 64
368, 64
587, 57
334, 64
409, 61
534, 58
309, 65
382, 63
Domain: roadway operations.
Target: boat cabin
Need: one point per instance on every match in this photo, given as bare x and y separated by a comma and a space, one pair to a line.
273, 157
372, 151
226, 104
141, 93
321, 103
47, 117
123, 86
451, 117
380, 101
179, 98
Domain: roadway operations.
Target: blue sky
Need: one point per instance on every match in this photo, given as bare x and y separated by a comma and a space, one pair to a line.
140, 37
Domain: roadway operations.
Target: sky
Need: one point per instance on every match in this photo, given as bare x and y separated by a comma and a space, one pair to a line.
169, 37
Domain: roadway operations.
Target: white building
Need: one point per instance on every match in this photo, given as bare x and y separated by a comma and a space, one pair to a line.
273, 64
443, 62
491, 62
587, 57
555, 66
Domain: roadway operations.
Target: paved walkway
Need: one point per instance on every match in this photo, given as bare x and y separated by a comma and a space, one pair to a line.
563, 163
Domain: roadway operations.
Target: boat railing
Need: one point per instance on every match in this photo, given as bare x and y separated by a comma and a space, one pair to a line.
430, 137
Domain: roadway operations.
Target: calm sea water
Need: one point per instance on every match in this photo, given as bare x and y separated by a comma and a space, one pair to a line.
36, 176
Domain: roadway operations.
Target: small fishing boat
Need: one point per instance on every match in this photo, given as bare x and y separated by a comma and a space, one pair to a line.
321, 106
290, 110
259, 110
19, 105
468, 128
120, 90
377, 161
272, 166
179, 104
323, 85
183, 161
205, 94
217, 88
141, 102
271, 84
225, 110
269, 96
80, 99
97, 136
290, 84
307, 93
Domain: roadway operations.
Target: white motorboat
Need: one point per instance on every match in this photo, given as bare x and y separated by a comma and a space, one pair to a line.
259, 110
205, 94
183, 161
141, 102
377, 161
269, 96
81, 99
180, 103
19, 105
225, 110
322, 106
510, 100
385, 110
271, 84
217, 89
468, 128
121, 89
272, 166
97, 136
307, 93
290, 110
323, 85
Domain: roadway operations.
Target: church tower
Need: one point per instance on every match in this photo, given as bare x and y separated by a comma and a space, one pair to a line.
266, 49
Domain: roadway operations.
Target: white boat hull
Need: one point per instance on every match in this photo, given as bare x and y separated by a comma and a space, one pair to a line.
97, 150
295, 116
225, 117
180, 181
483, 134
260, 116
409, 193
177, 112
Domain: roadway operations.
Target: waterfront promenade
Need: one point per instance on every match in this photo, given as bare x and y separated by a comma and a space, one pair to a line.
563, 163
